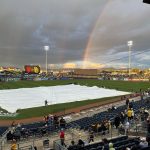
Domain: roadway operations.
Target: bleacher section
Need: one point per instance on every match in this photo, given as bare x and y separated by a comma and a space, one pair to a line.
119, 143
39, 129
32, 130
86, 122
2, 130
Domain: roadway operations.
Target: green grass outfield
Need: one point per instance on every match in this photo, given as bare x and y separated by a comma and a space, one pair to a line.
40, 111
120, 85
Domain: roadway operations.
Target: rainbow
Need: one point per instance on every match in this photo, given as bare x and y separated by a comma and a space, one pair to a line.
90, 39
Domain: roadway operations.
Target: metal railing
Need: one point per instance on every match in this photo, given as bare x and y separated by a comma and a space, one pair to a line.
75, 137
137, 128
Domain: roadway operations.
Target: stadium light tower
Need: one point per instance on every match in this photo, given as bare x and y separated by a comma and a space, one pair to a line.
46, 48
129, 43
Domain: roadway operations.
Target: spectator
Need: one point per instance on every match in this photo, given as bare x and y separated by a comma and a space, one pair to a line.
91, 137
132, 116
109, 126
122, 117
105, 144
80, 143
117, 121
142, 96
121, 129
143, 143
24, 132
13, 125
19, 126
103, 127
111, 146
35, 148
146, 114
142, 115
9, 136
72, 145
62, 137
113, 108
131, 104
129, 113
45, 120
79, 135
17, 134
14, 145
56, 122
126, 127
62, 122
127, 102
50, 120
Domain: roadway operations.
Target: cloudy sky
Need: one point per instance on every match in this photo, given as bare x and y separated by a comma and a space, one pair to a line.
80, 33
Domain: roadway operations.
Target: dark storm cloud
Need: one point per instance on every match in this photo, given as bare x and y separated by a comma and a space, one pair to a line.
27, 25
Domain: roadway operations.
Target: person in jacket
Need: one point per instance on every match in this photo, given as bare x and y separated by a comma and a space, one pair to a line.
62, 137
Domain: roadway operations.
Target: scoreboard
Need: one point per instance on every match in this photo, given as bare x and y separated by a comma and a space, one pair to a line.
32, 69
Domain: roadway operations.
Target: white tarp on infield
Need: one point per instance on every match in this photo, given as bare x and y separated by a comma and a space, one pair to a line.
14, 99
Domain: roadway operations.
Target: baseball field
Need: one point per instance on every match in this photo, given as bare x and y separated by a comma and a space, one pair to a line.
63, 107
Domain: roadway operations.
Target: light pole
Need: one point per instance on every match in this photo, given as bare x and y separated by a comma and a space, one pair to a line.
46, 48
130, 43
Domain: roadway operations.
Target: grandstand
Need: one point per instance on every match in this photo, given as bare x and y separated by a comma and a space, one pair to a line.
85, 84
45, 133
